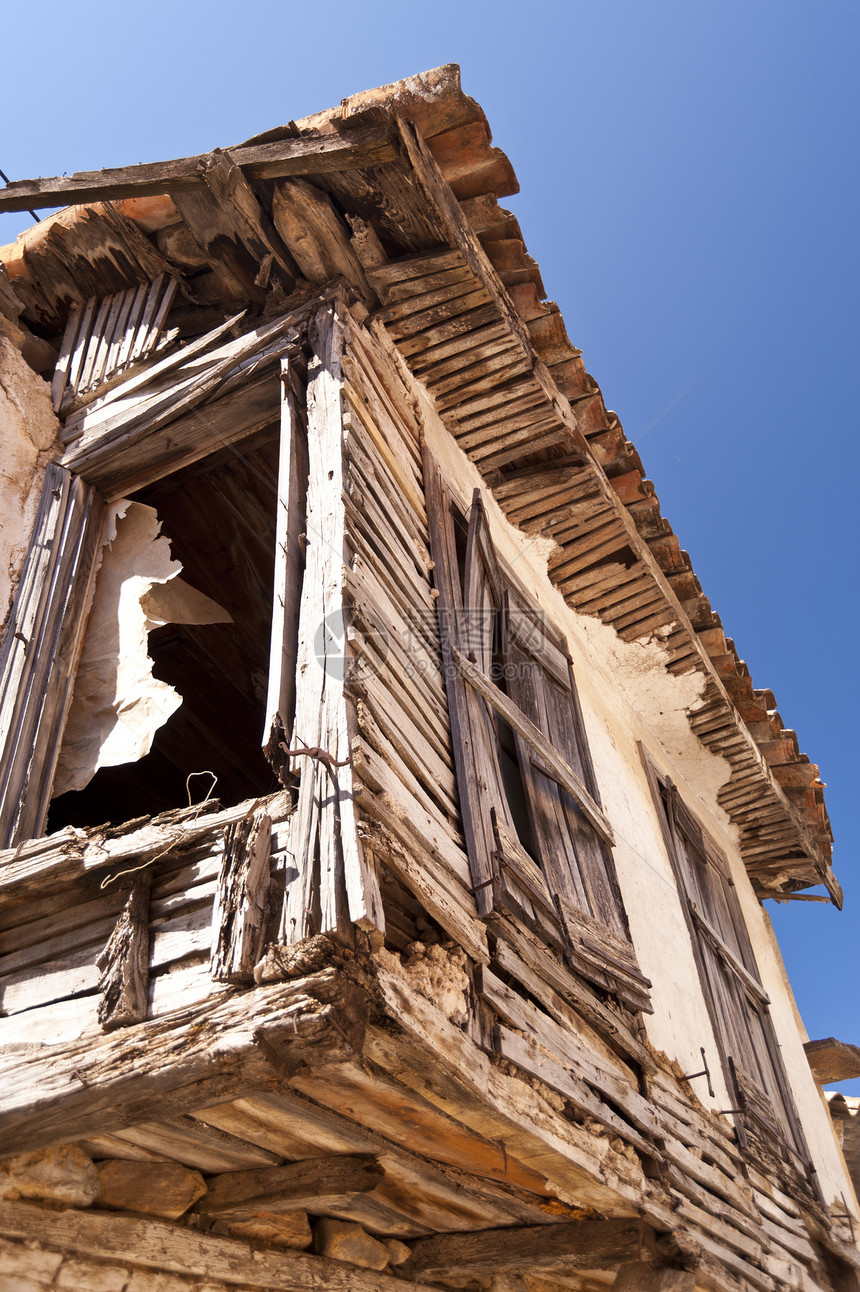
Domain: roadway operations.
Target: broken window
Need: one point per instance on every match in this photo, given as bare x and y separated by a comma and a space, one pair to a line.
153, 635
173, 675
539, 843
767, 1121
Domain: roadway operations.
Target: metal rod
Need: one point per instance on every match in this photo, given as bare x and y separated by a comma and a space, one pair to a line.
706, 1072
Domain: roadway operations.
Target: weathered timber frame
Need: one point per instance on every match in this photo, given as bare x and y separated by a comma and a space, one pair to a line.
116, 452
489, 627
41, 647
768, 1125
122, 453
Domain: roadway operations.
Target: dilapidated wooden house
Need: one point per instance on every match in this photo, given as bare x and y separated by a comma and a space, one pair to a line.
386, 816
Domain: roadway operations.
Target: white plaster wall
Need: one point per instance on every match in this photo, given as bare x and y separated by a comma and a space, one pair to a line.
28, 432
628, 697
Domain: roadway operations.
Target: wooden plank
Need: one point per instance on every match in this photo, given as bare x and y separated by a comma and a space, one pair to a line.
417, 869
347, 889
289, 561
124, 963
160, 1245
564, 1248
207, 1052
532, 1059
611, 1079
441, 1062
435, 1195
401, 1114
43, 865
316, 1184
64, 359
305, 155
86, 419
41, 646
185, 1140
832, 1060
531, 962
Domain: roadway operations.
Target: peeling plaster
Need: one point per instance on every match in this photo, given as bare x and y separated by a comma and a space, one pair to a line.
28, 434
118, 705
437, 972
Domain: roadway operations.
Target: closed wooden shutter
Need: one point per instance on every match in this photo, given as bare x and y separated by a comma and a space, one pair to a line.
767, 1121
538, 841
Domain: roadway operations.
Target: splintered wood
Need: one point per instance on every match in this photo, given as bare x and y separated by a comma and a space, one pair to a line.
241, 902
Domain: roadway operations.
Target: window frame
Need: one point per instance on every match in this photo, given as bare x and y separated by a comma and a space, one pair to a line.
44, 633
563, 801
771, 1136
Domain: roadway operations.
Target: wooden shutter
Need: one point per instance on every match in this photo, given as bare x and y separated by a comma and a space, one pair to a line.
546, 859
41, 646
768, 1124
109, 335
473, 737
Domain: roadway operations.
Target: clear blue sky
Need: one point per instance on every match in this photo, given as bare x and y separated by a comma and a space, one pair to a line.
690, 188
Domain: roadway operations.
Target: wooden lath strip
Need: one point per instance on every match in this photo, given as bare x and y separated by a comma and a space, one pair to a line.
108, 336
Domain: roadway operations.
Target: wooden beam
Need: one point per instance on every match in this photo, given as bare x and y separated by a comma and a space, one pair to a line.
233, 232
305, 155
437, 1196
324, 822
832, 1060
177, 1249
48, 864
534, 1249
124, 963
241, 900
204, 1054
315, 1184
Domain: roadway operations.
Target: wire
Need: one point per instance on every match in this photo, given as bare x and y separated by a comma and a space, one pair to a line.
150, 861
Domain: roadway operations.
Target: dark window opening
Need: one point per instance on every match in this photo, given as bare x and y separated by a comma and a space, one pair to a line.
219, 515
513, 781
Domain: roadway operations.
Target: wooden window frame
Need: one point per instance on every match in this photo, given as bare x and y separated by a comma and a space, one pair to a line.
771, 1137
44, 633
570, 895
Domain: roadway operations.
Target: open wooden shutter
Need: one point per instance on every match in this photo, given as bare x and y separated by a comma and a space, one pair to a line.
575, 853
767, 1120
473, 737
40, 650
538, 841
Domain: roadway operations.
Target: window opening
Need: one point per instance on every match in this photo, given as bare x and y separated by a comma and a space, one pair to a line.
219, 515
